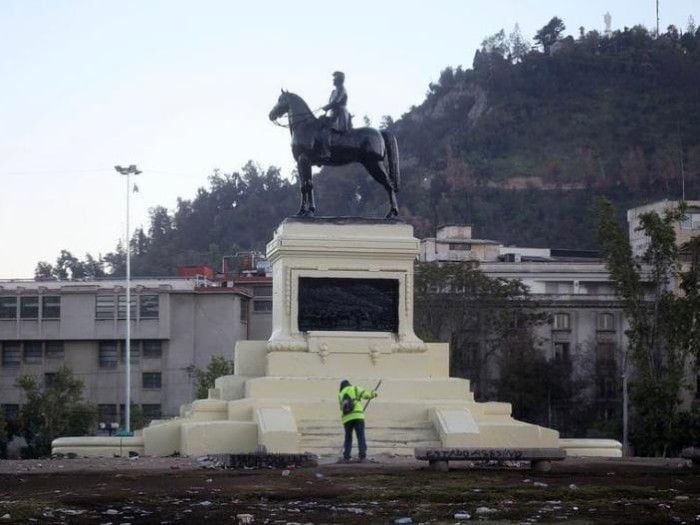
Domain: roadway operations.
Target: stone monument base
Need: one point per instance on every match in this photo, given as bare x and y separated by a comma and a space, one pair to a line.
342, 309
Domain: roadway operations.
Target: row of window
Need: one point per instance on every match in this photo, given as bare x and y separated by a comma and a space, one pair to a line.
107, 413
30, 307
604, 321
106, 307
110, 353
111, 306
29, 352
604, 352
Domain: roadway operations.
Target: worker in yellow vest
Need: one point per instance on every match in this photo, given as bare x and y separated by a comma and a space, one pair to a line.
353, 416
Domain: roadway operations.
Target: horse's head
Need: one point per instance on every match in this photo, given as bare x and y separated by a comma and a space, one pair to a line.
282, 106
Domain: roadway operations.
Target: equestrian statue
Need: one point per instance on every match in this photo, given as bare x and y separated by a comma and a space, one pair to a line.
330, 140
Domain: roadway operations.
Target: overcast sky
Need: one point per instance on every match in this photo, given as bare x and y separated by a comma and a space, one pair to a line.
181, 88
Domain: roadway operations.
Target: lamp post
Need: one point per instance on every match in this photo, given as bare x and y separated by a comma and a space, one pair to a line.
128, 171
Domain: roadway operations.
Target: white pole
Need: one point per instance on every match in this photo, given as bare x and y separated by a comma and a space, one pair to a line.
127, 406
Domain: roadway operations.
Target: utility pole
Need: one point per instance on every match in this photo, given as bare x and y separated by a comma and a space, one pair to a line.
657, 19
128, 171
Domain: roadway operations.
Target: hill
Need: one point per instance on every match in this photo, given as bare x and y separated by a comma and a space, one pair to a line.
520, 145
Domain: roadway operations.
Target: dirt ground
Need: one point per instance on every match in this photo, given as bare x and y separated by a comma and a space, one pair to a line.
179, 490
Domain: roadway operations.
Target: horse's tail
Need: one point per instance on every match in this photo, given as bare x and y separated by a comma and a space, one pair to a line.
392, 154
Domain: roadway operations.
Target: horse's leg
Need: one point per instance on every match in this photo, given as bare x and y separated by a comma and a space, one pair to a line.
302, 187
307, 188
378, 172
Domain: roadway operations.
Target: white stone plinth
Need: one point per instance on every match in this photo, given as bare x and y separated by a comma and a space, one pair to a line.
284, 394
341, 248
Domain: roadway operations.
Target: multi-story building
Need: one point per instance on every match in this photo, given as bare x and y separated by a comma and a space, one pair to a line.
685, 229
572, 286
177, 325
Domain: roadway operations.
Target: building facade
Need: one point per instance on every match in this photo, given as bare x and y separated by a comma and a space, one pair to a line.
686, 228
586, 322
177, 325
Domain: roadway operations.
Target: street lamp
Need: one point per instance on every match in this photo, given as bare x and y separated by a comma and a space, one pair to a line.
128, 171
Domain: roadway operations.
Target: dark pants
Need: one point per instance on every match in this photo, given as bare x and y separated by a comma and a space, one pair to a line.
358, 425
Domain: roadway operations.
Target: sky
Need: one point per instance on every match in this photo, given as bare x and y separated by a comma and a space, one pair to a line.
181, 88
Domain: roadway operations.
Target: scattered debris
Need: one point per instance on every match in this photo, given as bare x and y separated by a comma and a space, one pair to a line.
463, 516
286, 473
403, 521
244, 519
485, 510
540, 484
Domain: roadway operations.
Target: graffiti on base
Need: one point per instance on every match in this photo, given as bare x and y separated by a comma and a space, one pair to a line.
500, 454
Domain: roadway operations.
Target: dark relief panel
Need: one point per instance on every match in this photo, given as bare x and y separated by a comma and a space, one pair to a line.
354, 305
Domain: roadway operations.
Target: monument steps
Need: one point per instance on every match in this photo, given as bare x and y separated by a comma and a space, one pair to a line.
320, 437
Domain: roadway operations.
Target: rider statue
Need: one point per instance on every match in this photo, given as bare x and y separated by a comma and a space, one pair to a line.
338, 120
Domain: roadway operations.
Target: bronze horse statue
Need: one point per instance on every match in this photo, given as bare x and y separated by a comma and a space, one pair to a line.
376, 150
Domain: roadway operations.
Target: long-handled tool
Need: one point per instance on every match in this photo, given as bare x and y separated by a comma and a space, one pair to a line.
370, 399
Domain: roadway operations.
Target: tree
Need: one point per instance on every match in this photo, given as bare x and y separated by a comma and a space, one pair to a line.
496, 44
549, 34
663, 325
43, 271
204, 379
518, 45
458, 303
136, 418
53, 411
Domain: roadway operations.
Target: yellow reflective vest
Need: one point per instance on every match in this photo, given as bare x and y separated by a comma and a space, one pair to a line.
357, 394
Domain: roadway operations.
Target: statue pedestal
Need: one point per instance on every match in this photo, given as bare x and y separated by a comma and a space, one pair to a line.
342, 309
343, 285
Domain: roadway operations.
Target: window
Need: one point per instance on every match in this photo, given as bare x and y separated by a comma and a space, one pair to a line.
606, 322
134, 351
104, 307
245, 304
53, 350
605, 353
107, 413
151, 380
262, 291
262, 306
51, 307
49, 379
151, 412
562, 322
690, 221
11, 355
607, 388
152, 349
11, 411
460, 246
8, 307
561, 351
148, 306
121, 313
107, 354
33, 353
29, 307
